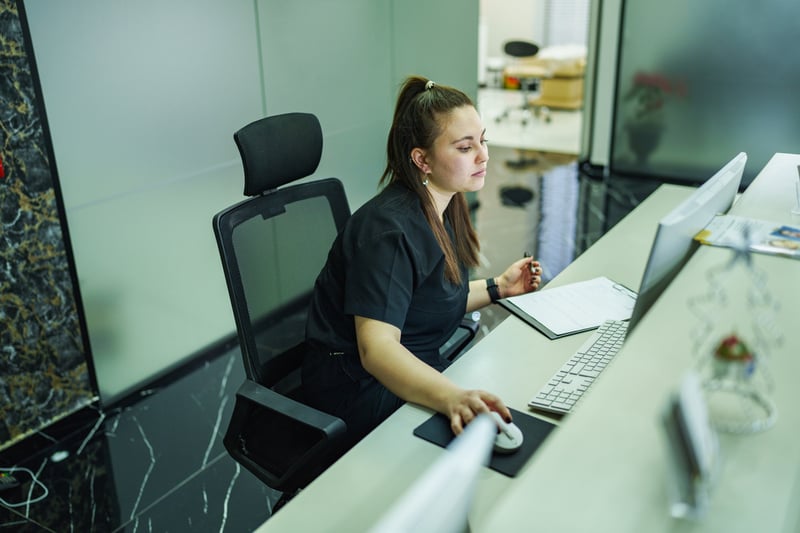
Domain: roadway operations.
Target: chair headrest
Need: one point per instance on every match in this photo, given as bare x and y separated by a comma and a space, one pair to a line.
279, 149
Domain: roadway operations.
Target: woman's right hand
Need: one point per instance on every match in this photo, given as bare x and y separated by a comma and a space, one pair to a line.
465, 405
412, 380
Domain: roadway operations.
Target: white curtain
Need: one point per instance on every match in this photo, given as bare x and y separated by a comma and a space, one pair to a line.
567, 22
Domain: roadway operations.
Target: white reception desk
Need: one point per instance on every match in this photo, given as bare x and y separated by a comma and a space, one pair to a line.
604, 468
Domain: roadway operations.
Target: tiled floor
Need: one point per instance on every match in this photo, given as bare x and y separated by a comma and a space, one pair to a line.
158, 463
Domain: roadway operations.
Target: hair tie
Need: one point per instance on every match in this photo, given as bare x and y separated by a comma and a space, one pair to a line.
429, 85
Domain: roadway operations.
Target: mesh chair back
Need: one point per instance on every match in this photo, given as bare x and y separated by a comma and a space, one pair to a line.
275, 245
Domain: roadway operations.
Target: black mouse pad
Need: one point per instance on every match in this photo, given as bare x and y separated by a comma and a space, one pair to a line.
534, 430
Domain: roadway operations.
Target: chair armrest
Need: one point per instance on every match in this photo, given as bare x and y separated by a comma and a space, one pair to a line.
333, 427
283, 442
463, 336
470, 325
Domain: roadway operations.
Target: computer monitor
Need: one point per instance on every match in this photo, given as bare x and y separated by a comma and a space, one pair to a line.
439, 501
674, 240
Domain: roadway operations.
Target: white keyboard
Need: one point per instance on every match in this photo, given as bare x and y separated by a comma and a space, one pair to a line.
569, 383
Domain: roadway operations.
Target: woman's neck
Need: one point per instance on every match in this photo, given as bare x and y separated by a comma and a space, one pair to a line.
440, 200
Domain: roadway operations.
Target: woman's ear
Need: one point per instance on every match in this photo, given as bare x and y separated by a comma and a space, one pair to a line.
419, 158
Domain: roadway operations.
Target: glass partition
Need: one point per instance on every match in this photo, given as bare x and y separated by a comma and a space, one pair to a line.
698, 82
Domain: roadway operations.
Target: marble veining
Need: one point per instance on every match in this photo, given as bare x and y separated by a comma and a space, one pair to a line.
155, 465
44, 374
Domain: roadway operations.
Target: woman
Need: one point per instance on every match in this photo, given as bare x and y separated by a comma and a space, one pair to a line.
395, 285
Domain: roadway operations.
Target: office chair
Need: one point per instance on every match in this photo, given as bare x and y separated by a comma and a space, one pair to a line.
528, 77
272, 247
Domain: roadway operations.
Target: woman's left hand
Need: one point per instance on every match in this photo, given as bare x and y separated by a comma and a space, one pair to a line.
522, 276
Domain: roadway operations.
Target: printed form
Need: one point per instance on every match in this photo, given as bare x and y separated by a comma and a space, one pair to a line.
576, 307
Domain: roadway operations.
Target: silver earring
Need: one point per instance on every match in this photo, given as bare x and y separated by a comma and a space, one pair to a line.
425, 181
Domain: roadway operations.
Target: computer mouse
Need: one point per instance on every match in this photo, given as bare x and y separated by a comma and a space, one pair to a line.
509, 437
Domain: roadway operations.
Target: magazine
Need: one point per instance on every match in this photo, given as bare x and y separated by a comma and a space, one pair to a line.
762, 236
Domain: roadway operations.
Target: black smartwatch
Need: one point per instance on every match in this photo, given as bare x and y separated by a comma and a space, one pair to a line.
491, 287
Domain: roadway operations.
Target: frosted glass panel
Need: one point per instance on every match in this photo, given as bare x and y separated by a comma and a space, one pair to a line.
151, 280
721, 80
444, 52
142, 101
138, 93
329, 63
336, 65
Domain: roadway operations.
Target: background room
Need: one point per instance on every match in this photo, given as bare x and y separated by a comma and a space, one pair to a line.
533, 113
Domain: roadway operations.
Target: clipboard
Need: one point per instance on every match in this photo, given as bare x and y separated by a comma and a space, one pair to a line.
573, 308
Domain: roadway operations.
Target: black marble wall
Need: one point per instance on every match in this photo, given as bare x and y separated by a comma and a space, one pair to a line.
44, 363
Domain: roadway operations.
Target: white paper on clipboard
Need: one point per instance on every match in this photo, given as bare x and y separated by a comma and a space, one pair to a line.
575, 307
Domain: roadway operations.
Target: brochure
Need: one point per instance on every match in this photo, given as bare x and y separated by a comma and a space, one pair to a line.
762, 236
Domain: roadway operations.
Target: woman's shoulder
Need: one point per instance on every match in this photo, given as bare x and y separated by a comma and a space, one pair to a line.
393, 215
394, 206
393, 219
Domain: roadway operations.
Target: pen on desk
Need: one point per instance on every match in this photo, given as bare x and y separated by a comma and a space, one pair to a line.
624, 290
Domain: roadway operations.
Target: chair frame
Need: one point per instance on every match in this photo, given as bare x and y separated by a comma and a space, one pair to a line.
261, 390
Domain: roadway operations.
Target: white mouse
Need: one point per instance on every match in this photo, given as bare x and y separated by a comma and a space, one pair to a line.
509, 436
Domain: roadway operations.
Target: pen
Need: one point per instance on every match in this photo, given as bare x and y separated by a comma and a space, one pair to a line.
533, 270
624, 290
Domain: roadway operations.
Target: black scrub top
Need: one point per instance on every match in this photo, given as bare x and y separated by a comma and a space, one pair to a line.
386, 265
